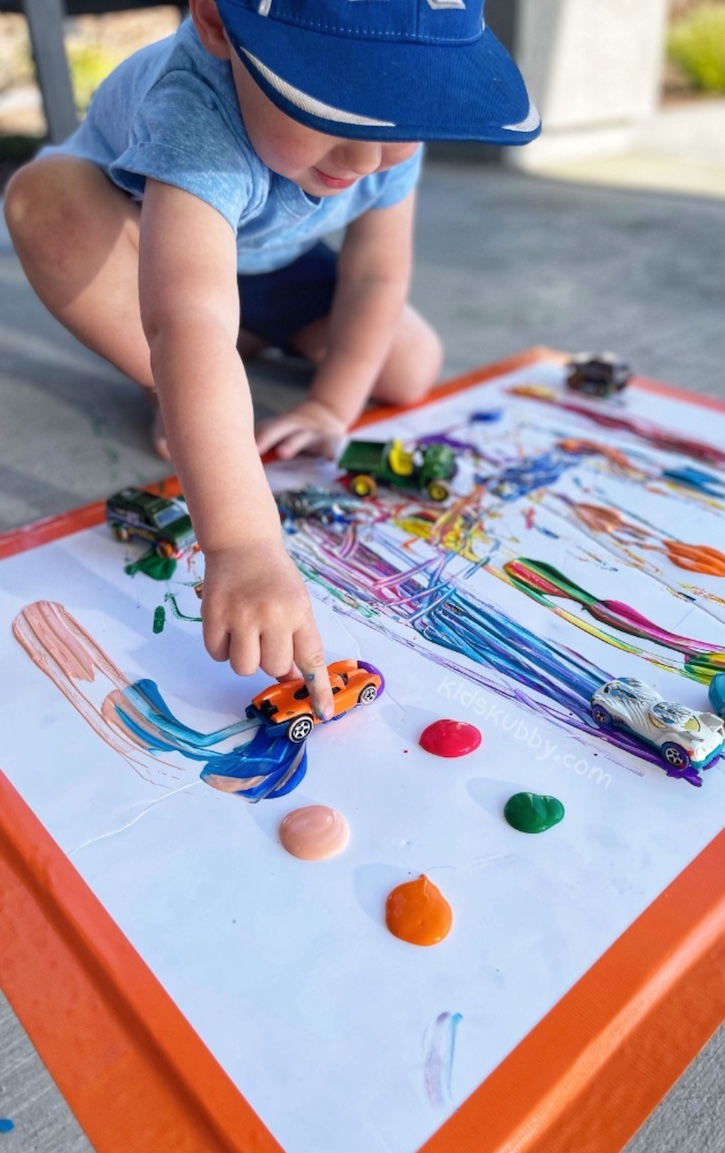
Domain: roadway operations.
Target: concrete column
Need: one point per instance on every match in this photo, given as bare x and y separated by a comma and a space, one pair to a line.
45, 23
593, 69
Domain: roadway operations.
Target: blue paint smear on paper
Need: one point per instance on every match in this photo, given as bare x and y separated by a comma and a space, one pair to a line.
439, 1054
265, 766
527, 475
486, 415
704, 482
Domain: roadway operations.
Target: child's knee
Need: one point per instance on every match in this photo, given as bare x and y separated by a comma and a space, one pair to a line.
17, 202
33, 215
413, 367
49, 210
429, 358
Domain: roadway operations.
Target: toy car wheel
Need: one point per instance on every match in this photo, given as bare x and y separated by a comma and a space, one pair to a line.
368, 695
299, 730
675, 756
601, 717
363, 485
120, 532
438, 490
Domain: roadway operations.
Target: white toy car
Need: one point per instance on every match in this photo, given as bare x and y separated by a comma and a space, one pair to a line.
684, 738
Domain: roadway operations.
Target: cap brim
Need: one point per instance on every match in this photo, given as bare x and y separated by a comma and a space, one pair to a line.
376, 92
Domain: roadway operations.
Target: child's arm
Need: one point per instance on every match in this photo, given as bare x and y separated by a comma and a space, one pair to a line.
256, 611
372, 288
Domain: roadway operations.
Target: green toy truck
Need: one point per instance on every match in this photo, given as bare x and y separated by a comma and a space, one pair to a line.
426, 469
165, 525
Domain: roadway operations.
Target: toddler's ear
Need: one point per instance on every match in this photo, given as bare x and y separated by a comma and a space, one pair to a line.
208, 24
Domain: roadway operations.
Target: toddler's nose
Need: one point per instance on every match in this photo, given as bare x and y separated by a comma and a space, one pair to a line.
359, 156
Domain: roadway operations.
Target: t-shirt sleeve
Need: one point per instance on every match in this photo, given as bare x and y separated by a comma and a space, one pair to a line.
184, 135
399, 181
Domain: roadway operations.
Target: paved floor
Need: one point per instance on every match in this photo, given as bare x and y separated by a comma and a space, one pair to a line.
682, 149
572, 260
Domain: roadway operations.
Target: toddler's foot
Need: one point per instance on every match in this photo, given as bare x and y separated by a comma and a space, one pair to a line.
158, 432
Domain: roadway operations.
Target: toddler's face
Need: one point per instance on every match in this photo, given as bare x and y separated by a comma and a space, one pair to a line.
321, 165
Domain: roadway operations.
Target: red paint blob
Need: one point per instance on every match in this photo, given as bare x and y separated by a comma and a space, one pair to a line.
448, 738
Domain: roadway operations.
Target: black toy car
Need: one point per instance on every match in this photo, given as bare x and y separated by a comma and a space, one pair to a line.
598, 374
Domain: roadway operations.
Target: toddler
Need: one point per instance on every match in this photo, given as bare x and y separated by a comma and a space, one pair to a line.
181, 228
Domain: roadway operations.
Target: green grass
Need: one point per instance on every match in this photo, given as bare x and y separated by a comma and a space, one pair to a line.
89, 65
696, 44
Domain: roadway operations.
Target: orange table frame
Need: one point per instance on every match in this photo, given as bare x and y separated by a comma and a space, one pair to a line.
138, 1077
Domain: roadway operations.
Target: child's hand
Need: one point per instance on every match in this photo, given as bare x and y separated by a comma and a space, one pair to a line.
256, 613
308, 426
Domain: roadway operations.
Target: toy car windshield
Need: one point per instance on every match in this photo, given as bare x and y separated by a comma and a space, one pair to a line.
166, 516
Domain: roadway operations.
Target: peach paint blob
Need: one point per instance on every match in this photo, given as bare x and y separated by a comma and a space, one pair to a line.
448, 738
418, 913
314, 833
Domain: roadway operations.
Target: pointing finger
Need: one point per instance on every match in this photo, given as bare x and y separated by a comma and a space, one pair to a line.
311, 663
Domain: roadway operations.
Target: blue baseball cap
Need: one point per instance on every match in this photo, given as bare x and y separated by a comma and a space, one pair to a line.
384, 69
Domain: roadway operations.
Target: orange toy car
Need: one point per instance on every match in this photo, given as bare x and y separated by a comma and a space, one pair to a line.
286, 706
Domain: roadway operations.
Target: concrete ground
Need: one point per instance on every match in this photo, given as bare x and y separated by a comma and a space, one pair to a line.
627, 254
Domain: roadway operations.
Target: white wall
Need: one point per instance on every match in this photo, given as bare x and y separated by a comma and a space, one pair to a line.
594, 70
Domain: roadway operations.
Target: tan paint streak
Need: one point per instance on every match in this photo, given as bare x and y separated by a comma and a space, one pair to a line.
62, 649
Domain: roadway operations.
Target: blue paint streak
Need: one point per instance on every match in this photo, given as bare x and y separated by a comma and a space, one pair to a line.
455, 1021
6, 1125
440, 1052
488, 637
693, 478
527, 475
281, 763
486, 415
145, 692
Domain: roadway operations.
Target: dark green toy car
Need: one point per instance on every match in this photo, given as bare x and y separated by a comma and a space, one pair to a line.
135, 514
426, 469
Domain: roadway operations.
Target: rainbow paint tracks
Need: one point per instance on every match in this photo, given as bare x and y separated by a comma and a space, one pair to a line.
543, 582
136, 722
536, 499
608, 417
538, 493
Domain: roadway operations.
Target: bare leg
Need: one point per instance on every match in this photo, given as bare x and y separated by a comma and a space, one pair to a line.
412, 366
76, 236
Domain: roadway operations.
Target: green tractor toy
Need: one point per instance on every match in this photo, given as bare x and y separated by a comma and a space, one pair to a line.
425, 469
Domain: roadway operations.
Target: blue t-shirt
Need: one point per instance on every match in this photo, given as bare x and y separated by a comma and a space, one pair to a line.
171, 112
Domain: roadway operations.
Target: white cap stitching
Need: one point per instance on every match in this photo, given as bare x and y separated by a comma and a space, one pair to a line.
309, 104
533, 120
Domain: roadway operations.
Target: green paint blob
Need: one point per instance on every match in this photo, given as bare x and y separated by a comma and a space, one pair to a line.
159, 568
159, 618
533, 813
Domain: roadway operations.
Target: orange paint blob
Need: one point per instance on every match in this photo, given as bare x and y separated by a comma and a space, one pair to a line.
314, 833
418, 913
